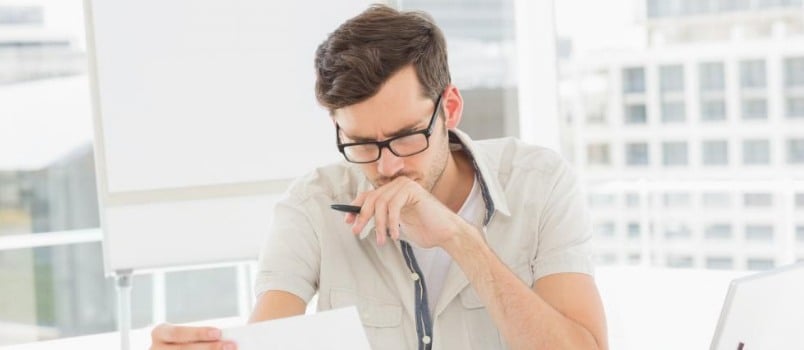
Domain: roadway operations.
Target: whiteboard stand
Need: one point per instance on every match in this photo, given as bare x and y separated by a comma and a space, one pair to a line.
123, 283
245, 280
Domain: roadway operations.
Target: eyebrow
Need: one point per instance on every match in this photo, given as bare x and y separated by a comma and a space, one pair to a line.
400, 132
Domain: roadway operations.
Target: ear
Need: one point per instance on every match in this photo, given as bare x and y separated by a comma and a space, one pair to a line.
452, 106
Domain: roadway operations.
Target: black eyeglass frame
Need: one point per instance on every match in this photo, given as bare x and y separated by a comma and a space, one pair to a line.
387, 143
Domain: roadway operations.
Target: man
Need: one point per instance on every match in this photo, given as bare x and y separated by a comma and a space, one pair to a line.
471, 245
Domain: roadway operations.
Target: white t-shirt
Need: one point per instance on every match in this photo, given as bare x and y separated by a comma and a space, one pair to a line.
434, 262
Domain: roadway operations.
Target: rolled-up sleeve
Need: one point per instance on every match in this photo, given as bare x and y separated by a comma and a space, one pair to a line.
290, 257
564, 235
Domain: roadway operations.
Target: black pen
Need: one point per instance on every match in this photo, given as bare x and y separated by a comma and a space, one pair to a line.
346, 208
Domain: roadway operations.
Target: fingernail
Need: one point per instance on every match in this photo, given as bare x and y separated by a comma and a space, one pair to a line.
214, 333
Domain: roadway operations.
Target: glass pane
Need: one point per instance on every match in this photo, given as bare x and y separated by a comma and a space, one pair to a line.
482, 52
711, 76
61, 291
755, 108
756, 152
188, 294
795, 151
715, 152
794, 107
634, 80
794, 71
635, 114
672, 78
718, 232
758, 200
674, 153
752, 74
673, 112
713, 110
636, 154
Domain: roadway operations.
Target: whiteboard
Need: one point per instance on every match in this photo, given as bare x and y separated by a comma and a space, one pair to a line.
204, 110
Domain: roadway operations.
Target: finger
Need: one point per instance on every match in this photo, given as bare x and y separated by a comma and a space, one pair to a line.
384, 227
197, 346
168, 333
366, 211
349, 218
395, 212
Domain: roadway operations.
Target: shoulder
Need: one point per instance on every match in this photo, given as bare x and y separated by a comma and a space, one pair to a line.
510, 154
330, 181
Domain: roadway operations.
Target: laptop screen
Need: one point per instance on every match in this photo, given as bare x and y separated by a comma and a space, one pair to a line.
763, 311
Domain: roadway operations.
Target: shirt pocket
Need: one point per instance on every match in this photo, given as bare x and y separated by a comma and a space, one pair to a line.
382, 320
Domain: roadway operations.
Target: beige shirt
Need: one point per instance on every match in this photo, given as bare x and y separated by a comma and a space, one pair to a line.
536, 222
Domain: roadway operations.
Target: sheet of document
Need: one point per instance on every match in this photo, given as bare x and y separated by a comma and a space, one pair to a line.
335, 329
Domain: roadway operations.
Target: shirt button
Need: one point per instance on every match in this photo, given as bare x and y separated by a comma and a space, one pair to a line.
426, 339
414, 276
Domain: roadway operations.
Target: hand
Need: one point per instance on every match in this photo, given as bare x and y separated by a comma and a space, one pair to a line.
171, 337
403, 202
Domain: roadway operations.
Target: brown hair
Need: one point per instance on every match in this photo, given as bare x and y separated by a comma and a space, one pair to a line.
361, 54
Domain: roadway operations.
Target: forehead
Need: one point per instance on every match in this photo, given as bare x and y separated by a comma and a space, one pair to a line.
397, 106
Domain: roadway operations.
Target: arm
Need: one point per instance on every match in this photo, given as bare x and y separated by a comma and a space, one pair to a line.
562, 311
275, 304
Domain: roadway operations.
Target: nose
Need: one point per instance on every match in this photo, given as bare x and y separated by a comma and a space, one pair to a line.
389, 164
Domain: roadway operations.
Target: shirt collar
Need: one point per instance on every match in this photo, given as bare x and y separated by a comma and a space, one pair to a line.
493, 194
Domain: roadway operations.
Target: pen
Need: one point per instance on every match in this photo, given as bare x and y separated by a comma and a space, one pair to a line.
346, 208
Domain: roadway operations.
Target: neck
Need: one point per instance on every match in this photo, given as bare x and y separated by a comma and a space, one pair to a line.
456, 182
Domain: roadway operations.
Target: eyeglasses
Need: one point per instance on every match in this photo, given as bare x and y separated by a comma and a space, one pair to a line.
401, 146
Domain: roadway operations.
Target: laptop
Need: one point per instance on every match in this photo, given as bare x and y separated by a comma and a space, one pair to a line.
763, 311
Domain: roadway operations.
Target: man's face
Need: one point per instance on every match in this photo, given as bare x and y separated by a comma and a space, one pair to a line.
398, 108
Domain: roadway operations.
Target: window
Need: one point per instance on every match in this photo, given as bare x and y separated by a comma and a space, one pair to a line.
794, 107
671, 78
604, 229
760, 264
759, 233
794, 71
719, 263
711, 76
27, 15
756, 152
795, 151
674, 231
635, 114
733, 5
674, 153
598, 154
601, 200
633, 230
716, 200
680, 261
754, 108
632, 200
800, 234
634, 80
676, 200
607, 259
715, 152
758, 200
712, 110
673, 112
717, 232
636, 154
634, 258
799, 200
752, 74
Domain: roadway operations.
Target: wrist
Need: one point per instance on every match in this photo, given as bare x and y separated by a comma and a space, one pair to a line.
464, 238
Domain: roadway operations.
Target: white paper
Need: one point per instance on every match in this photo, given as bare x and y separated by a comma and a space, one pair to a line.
335, 329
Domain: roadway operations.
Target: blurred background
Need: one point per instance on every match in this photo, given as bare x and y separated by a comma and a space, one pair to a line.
683, 118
